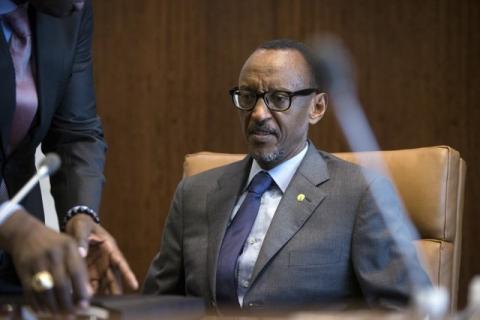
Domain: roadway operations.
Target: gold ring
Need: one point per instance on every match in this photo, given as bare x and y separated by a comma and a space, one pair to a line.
42, 281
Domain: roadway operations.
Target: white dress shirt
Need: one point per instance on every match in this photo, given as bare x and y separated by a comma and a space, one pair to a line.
282, 175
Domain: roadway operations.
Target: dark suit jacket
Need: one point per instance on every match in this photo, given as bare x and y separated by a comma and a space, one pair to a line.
332, 247
66, 120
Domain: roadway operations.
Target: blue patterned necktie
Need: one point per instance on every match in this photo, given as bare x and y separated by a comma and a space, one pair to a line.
235, 238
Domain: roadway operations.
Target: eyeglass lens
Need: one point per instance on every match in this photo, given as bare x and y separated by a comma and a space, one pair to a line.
276, 99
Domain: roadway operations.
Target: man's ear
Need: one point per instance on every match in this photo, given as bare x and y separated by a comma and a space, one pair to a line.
318, 108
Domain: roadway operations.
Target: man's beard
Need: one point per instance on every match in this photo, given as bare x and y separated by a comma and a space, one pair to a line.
267, 157
257, 153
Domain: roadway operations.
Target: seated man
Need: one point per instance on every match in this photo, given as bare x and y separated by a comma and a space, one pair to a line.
289, 225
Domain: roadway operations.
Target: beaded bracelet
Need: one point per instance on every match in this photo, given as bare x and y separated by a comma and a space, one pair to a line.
79, 210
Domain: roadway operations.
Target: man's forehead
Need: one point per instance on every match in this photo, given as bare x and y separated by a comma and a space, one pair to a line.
284, 63
274, 59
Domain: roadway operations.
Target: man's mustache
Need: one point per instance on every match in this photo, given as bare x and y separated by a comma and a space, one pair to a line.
261, 128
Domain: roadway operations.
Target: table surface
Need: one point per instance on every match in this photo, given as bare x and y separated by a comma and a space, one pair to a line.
186, 308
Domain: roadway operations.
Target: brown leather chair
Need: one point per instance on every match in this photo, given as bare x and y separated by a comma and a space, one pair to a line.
431, 183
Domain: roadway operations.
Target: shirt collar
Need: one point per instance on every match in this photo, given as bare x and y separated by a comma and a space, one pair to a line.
281, 174
7, 6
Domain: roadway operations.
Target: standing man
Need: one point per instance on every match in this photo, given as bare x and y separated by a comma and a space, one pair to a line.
289, 225
47, 96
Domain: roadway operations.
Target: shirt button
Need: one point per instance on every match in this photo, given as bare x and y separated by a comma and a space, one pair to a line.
251, 241
245, 283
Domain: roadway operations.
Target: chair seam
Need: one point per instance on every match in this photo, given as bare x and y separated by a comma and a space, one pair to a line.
446, 194
439, 264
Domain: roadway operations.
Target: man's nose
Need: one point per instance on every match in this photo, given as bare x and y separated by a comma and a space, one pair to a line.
260, 111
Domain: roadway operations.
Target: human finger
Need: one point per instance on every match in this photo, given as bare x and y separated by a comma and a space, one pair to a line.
80, 228
113, 282
41, 284
31, 299
78, 275
119, 262
63, 287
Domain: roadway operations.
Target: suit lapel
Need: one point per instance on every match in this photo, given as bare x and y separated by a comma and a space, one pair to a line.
220, 203
54, 40
48, 63
7, 93
292, 213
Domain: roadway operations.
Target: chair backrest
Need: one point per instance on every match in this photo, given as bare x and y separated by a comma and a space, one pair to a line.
431, 183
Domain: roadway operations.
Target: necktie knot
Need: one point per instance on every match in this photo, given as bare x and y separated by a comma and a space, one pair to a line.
260, 183
18, 21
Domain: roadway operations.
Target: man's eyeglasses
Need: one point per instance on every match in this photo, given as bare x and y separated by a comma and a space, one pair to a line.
274, 100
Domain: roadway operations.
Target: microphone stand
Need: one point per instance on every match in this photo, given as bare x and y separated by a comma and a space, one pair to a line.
48, 166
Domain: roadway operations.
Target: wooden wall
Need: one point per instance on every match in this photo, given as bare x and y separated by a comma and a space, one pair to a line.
163, 69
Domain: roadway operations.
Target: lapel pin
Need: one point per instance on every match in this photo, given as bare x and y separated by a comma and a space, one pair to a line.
300, 197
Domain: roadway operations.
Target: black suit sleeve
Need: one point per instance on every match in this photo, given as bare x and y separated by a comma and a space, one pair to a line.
76, 133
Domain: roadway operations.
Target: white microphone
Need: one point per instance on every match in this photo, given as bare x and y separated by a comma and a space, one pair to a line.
338, 76
47, 167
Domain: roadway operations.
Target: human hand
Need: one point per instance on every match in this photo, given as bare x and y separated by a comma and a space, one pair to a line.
37, 250
105, 262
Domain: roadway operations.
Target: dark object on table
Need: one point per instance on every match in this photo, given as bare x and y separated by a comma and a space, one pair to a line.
152, 307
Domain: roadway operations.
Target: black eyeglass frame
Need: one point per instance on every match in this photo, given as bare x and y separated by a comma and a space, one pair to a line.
258, 95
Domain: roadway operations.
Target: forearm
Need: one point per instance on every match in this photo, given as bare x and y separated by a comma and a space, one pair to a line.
76, 132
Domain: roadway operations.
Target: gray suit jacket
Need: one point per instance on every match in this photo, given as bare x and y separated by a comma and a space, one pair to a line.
330, 248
